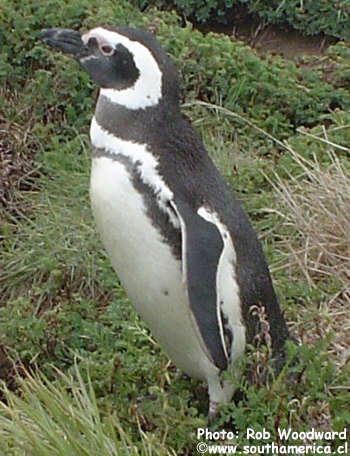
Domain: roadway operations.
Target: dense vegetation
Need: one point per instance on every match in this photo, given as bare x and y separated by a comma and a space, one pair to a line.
310, 17
99, 384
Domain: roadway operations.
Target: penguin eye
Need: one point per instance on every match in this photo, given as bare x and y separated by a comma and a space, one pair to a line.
107, 50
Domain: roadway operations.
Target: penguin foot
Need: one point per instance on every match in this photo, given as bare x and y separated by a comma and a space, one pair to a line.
213, 411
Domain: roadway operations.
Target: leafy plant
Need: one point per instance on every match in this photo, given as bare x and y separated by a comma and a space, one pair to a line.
311, 17
61, 303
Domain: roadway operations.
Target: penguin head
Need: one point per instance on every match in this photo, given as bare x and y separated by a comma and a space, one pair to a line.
128, 64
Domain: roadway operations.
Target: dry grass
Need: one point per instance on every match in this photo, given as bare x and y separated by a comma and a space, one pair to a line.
316, 204
18, 172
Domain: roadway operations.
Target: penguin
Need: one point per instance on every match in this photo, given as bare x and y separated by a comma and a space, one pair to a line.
178, 239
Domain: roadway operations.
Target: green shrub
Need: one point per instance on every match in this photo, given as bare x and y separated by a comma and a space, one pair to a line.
311, 17
21, 23
60, 299
277, 94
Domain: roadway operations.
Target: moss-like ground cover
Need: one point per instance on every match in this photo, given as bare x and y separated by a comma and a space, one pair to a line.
278, 130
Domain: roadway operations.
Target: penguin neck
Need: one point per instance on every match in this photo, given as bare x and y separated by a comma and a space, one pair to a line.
137, 125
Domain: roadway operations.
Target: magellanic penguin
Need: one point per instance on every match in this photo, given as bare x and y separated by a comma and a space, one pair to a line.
179, 241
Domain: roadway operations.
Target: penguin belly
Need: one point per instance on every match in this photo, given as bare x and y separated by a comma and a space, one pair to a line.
146, 267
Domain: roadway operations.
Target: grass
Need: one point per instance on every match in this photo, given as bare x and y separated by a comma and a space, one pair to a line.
65, 309
57, 203
63, 418
315, 203
70, 342
74, 316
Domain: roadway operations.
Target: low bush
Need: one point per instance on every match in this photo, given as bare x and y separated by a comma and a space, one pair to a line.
310, 17
61, 303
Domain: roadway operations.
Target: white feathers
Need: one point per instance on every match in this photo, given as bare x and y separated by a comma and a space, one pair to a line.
147, 90
89, 57
228, 299
146, 267
145, 162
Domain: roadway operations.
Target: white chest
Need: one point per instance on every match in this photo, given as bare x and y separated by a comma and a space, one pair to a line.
135, 247
150, 274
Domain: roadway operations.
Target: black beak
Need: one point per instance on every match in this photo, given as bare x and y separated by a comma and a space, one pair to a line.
68, 41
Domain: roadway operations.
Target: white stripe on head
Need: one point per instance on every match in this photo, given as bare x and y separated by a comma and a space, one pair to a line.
145, 162
147, 91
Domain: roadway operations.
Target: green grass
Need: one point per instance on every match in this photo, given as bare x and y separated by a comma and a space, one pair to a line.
63, 418
63, 316
64, 307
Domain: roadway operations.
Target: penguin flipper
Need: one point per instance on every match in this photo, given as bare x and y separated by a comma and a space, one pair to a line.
202, 246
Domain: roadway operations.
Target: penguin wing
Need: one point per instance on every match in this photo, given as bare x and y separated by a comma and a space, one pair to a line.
202, 247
